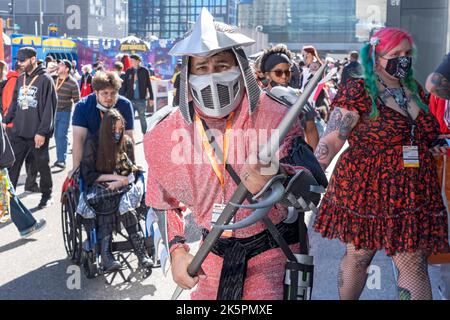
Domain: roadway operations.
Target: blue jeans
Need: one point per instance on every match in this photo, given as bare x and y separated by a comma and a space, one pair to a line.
141, 106
20, 215
62, 123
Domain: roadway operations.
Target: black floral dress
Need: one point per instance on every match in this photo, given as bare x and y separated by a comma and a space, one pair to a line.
373, 201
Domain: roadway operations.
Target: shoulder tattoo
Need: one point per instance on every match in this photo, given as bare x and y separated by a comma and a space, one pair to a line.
441, 86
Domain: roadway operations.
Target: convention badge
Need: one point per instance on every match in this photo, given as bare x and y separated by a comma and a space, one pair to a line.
216, 212
411, 157
24, 105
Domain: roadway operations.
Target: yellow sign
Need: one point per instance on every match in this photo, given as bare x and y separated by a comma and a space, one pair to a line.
27, 40
56, 42
134, 47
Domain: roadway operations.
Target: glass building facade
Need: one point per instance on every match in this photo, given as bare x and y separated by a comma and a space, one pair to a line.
318, 21
170, 19
76, 18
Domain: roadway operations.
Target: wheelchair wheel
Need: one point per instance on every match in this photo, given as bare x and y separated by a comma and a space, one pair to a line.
71, 227
88, 264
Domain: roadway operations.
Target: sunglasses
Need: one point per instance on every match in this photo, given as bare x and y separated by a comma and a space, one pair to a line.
279, 73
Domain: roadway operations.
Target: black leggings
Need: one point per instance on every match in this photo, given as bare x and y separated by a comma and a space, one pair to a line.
107, 224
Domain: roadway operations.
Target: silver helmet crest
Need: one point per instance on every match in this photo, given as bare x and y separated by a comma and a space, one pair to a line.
205, 39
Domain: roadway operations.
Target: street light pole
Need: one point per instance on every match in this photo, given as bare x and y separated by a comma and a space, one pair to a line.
41, 17
125, 19
13, 15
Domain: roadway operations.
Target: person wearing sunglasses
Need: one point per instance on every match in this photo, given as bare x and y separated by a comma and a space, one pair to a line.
276, 64
89, 112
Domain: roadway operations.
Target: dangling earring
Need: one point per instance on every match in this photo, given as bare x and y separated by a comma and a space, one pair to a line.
374, 42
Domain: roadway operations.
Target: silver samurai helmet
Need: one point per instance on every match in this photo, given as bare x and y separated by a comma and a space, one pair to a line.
205, 39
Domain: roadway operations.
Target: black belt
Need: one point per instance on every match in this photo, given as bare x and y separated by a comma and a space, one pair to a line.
237, 251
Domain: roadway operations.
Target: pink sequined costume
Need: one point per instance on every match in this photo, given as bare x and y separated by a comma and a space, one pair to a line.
172, 180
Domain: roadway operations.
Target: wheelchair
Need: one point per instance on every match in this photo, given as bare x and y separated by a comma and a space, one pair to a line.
82, 247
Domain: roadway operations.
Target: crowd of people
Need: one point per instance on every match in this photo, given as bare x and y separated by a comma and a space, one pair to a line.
385, 193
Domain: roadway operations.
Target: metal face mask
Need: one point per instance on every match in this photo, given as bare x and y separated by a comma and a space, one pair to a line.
217, 94
399, 67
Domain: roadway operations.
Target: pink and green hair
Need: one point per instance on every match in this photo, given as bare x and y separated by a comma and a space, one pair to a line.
381, 43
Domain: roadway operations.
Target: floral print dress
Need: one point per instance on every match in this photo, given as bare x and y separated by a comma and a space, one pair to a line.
373, 201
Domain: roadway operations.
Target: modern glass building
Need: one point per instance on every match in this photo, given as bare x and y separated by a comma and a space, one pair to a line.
340, 26
169, 19
320, 22
75, 18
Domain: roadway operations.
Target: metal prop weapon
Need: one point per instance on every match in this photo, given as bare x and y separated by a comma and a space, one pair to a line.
241, 193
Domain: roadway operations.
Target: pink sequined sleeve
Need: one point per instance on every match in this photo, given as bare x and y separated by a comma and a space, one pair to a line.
175, 230
286, 146
295, 131
157, 197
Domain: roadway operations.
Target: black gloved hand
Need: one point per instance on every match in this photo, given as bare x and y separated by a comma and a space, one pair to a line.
309, 112
303, 185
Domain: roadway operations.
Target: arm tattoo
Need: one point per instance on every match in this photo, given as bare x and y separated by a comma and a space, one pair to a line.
334, 122
441, 86
322, 151
346, 126
343, 124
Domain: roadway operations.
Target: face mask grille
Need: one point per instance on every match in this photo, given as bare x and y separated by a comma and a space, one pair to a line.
235, 89
195, 94
207, 98
224, 95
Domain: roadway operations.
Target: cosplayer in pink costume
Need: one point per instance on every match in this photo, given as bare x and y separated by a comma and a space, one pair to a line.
179, 175
197, 186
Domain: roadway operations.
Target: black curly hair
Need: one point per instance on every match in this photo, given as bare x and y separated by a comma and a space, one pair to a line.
279, 48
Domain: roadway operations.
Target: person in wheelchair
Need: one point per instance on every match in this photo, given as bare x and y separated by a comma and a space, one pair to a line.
113, 189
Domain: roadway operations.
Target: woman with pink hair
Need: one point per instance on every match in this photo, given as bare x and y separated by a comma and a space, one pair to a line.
384, 193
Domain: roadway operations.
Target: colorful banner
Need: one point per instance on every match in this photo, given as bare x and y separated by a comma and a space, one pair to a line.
89, 51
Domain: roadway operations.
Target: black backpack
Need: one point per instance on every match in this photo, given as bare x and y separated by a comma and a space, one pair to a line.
6, 152
301, 154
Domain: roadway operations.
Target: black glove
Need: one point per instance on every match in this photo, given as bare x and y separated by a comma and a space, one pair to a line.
303, 185
309, 112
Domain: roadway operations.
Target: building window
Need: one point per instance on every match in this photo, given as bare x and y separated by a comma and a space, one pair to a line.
120, 13
97, 7
172, 18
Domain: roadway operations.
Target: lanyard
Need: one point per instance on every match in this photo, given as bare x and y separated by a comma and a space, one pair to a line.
59, 85
210, 151
25, 87
403, 104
